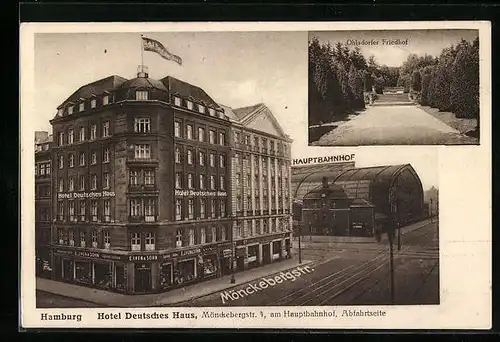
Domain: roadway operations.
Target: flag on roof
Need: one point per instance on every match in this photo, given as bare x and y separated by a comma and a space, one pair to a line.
155, 46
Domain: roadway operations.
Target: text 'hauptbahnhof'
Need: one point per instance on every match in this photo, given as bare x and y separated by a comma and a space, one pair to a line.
146, 185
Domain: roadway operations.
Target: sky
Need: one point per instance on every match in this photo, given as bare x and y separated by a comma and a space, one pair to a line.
235, 68
420, 42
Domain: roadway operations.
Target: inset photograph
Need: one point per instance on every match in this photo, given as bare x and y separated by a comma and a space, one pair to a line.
411, 87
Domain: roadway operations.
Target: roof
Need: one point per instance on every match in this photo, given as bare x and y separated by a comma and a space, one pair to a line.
229, 112
243, 112
106, 84
143, 82
359, 202
376, 173
186, 90
333, 192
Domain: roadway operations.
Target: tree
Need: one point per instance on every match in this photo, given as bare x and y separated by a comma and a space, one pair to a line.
424, 96
416, 81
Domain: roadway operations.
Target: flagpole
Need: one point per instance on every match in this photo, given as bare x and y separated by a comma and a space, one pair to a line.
142, 54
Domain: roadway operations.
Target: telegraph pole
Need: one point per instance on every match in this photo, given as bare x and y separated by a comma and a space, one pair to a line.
430, 210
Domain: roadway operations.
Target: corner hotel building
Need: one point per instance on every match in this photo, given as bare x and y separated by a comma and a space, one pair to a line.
157, 186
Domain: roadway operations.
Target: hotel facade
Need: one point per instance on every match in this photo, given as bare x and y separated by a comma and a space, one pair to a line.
149, 191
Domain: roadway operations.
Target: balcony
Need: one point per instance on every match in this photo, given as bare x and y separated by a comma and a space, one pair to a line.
142, 187
143, 218
142, 161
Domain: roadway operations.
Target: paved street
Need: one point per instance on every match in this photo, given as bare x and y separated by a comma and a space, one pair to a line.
393, 124
349, 274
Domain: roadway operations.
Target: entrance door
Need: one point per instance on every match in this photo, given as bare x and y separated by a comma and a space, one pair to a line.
142, 278
266, 253
67, 270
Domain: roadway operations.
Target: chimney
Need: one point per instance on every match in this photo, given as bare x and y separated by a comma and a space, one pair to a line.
325, 182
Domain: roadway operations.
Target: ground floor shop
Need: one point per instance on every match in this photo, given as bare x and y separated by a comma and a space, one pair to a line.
43, 262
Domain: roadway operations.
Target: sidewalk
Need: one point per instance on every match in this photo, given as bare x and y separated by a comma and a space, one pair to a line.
112, 299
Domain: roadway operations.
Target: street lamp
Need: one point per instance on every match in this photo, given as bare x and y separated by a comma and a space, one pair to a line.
233, 257
430, 210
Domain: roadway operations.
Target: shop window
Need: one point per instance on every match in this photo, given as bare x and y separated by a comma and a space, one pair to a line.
142, 151
82, 134
209, 265
191, 236
177, 129
135, 242
149, 177
186, 271
107, 210
93, 132
120, 277
201, 134
178, 209
190, 208
166, 275
106, 155
177, 155
189, 132
83, 239
105, 129
178, 238
149, 241
107, 240
102, 274
94, 239
141, 95
82, 271
203, 236
142, 125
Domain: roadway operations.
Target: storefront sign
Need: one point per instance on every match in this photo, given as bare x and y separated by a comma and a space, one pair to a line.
200, 193
181, 253
72, 195
261, 239
88, 254
149, 257
227, 253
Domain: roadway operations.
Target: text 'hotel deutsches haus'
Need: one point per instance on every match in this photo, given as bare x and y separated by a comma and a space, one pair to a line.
156, 186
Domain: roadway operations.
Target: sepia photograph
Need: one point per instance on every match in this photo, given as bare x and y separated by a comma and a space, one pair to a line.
405, 87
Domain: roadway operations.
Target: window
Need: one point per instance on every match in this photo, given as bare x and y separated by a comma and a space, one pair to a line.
212, 182
211, 111
223, 234
222, 182
222, 205
71, 136
178, 238
135, 242
178, 180
177, 101
71, 237
61, 139
83, 239
191, 236
93, 181
81, 107
71, 160
149, 177
93, 158
47, 168
61, 162
94, 239
203, 205
190, 181
211, 136
82, 134
94, 209
71, 184
105, 100
149, 240
150, 209
236, 137
202, 182
60, 112
213, 209
177, 155
93, 132
82, 158
222, 161
142, 125
212, 160
61, 185
134, 177
71, 210
201, 134
201, 108
177, 129
141, 95
106, 155
178, 209
142, 151
83, 210
189, 104
203, 235
105, 129
70, 110
107, 210
82, 183
247, 140
105, 180
221, 114
135, 207
107, 240
201, 158
191, 208
214, 233
222, 139
189, 157
189, 131
93, 103
60, 207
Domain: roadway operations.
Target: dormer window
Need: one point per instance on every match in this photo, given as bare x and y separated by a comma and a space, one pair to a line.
70, 110
221, 114
141, 95
177, 101
93, 103
60, 112
105, 100
189, 105
201, 108
81, 107
211, 111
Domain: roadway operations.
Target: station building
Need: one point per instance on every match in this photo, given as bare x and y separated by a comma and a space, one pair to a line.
357, 201
142, 186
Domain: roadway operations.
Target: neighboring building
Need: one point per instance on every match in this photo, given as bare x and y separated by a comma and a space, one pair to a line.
394, 191
261, 182
142, 186
43, 203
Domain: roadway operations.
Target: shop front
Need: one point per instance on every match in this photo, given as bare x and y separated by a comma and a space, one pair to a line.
266, 253
288, 248
225, 264
253, 256
276, 249
241, 254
